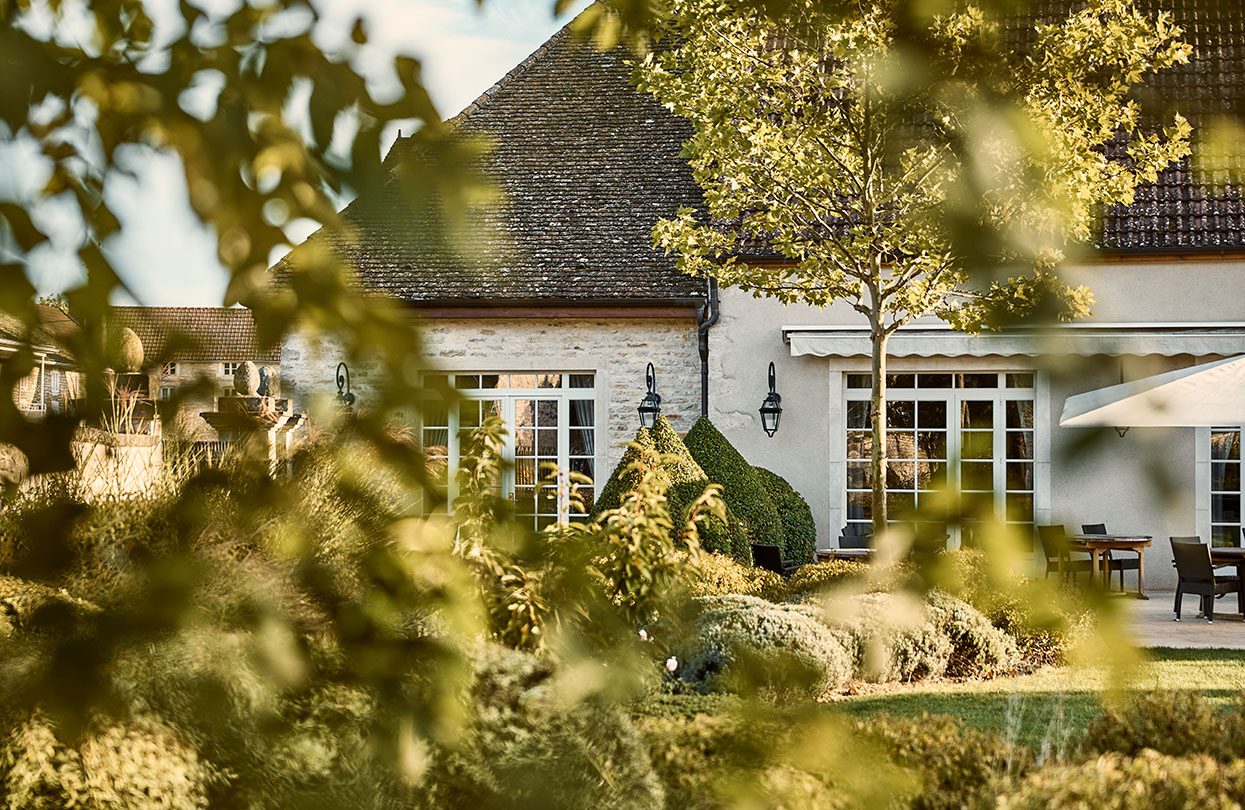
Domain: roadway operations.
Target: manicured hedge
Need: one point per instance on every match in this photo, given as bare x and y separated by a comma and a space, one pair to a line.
719, 575
625, 475
741, 488
799, 532
687, 482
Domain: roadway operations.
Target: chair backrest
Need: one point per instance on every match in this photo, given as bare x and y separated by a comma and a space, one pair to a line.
768, 557
856, 535
1192, 560
1054, 540
1093, 528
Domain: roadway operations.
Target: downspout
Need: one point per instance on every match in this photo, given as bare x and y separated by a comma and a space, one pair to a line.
705, 320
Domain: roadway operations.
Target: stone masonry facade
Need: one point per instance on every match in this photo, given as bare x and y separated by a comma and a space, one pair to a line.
616, 350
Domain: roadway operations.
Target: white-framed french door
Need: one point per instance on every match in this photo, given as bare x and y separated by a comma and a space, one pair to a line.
974, 431
551, 425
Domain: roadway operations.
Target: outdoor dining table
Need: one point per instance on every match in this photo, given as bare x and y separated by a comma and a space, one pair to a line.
1231, 555
1098, 545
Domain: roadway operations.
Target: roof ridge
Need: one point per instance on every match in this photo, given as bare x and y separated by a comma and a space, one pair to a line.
514, 73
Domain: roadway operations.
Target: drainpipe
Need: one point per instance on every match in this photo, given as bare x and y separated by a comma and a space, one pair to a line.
704, 322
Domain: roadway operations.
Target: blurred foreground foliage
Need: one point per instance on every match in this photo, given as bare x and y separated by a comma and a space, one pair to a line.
337, 638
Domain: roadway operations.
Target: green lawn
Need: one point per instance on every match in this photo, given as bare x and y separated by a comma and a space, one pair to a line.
1055, 702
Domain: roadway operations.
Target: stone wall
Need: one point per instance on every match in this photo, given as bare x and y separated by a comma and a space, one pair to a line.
615, 349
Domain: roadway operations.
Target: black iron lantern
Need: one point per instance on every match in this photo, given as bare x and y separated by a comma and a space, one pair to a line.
345, 397
650, 406
771, 408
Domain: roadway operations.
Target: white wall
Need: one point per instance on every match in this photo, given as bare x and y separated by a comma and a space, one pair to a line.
1145, 482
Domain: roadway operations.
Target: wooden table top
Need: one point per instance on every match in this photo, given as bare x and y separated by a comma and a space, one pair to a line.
1112, 540
1228, 553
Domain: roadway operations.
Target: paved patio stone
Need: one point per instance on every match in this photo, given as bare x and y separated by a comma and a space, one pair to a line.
1153, 625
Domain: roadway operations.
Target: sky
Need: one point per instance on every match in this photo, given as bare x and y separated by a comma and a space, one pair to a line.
167, 258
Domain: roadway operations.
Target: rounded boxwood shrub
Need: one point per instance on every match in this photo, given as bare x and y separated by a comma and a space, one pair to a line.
522, 730
895, 640
1170, 722
814, 578
719, 575
799, 531
1150, 780
979, 649
745, 641
741, 488
955, 766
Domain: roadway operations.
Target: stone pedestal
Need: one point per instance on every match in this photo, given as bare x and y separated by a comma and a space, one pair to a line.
264, 420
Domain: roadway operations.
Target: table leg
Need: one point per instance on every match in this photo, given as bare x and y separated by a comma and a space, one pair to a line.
1094, 572
1141, 574
1240, 587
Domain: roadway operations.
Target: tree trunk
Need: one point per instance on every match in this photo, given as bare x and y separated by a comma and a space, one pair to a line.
877, 417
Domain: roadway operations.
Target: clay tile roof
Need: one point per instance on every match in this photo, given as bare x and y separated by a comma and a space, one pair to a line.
588, 164
210, 334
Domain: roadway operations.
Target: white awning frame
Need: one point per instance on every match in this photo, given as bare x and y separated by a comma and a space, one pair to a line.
1081, 339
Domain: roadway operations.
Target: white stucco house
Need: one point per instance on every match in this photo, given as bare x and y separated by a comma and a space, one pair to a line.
556, 330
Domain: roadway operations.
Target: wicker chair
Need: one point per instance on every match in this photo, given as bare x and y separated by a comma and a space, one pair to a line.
1196, 576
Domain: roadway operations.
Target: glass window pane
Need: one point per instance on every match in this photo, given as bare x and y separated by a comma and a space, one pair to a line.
525, 442
901, 381
524, 412
439, 381
1019, 507
858, 475
979, 380
900, 504
1229, 536
900, 414
547, 443
580, 442
525, 472
858, 414
859, 445
1225, 477
524, 500
931, 415
469, 414
435, 413
1019, 380
977, 445
901, 475
860, 381
466, 380
1020, 414
582, 380
931, 475
859, 505
582, 412
1225, 445
1020, 475
547, 413
1020, 444
976, 475
436, 441
1225, 508
549, 381
977, 414
900, 446
931, 444
583, 466
935, 380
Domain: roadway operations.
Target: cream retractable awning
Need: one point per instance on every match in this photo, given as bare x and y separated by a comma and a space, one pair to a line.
1206, 395
1087, 340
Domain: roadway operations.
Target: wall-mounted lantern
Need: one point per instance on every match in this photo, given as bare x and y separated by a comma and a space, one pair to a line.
650, 406
771, 408
345, 397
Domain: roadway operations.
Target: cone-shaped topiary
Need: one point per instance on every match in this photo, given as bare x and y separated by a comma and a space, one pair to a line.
799, 531
625, 476
687, 482
741, 489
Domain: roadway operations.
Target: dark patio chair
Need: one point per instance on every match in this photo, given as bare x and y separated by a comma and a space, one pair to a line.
1196, 575
856, 535
1055, 546
770, 558
1115, 562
